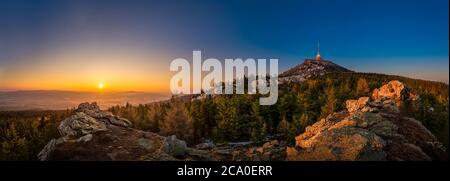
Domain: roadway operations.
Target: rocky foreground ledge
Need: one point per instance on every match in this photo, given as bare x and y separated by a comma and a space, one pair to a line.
93, 134
371, 128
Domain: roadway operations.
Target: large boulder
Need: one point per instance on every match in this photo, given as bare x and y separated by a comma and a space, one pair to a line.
94, 111
347, 143
174, 146
395, 92
90, 109
80, 124
369, 130
392, 90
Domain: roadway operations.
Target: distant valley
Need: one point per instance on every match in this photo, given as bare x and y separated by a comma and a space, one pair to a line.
58, 100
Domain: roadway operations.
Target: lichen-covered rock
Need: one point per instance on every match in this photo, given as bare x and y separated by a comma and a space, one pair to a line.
393, 92
355, 105
347, 143
94, 111
80, 124
174, 146
45, 153
90, 109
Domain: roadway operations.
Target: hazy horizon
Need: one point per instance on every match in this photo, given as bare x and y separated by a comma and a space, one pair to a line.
79, 91
60, 100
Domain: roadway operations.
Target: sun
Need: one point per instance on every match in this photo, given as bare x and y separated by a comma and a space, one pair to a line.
100, 86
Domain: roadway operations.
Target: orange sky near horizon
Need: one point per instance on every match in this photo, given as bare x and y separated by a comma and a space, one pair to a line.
84, 70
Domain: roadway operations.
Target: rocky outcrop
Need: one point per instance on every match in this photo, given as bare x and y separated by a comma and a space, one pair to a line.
80, 124
393, 91
174, 146
94, 111
369, 129
93, 134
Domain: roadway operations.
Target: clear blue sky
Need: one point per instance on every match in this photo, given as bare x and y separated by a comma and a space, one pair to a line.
404, 37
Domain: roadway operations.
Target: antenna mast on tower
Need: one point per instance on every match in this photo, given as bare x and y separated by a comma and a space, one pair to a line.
318, 52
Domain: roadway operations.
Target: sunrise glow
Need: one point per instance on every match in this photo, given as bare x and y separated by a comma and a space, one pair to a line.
100, 86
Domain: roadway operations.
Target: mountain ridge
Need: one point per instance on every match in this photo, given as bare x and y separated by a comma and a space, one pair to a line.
310, 68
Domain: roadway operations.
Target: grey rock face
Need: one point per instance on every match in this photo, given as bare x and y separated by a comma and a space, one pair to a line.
80, 124
174, 146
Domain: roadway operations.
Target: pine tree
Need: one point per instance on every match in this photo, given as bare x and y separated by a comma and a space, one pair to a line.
259, 127
283, 127
176, 122
330, 102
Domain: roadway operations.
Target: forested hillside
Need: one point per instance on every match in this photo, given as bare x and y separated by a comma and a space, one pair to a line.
226, 118
24, 133
232, 118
